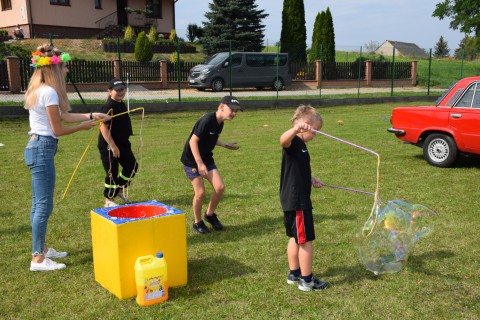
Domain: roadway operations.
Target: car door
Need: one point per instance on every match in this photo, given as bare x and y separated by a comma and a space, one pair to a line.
465, 119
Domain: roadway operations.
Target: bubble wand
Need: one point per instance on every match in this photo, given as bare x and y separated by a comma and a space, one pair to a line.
374, 211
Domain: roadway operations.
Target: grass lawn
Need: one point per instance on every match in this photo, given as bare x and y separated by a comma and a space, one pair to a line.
240, 273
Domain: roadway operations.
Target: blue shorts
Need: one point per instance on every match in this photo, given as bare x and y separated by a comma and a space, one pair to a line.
192, 173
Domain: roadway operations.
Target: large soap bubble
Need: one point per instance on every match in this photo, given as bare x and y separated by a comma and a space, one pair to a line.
387, 239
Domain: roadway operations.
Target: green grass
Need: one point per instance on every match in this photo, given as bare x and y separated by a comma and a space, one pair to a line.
240, 273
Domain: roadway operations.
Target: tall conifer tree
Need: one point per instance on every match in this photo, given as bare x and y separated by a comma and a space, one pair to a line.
329, 44
293, 38
238, 22
317, 37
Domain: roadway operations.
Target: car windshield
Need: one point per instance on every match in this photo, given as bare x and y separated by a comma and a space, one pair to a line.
445, 93
216, 58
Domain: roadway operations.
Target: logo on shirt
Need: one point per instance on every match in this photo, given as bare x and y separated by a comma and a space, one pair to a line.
212, 132
304, 150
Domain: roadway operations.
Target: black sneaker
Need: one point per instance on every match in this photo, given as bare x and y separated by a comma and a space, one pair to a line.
315, 284
292, 279
200, 227
213, 220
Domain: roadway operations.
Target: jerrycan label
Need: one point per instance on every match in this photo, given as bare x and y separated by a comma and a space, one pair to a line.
154, 288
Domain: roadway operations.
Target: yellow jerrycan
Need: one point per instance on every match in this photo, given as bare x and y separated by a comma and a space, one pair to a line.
151, 279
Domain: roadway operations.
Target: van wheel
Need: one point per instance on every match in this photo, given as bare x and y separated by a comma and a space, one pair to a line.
217, 84
278, 84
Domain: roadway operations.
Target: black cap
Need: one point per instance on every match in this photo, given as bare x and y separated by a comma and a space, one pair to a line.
115, 84
232, 102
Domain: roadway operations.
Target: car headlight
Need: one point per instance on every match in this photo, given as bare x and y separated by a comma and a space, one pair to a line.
205, 71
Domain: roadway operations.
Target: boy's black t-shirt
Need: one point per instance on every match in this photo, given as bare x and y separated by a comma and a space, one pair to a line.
120, 127
208, 130
296, 177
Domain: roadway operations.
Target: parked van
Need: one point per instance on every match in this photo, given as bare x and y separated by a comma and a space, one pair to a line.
249, 69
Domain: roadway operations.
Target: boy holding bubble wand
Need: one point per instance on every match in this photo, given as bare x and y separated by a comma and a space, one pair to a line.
296, 181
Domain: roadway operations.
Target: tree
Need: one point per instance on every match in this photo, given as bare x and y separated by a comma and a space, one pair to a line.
293, 38
194, 32
468, 48
235, 22
317, 37
143, 48
465, 15
371, 46
329, 44
441, 49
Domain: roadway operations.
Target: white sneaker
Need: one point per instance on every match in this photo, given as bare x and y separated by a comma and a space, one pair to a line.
46, 265
54, 254
110, 203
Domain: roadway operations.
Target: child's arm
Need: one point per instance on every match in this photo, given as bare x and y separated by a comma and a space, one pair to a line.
316, 182
287, 136
108, 138
202, 168
228, 145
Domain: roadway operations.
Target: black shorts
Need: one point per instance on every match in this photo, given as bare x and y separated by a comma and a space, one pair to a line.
299, 225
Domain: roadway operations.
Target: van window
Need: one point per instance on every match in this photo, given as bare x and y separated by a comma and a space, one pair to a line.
236, 60
255, 60
271, 60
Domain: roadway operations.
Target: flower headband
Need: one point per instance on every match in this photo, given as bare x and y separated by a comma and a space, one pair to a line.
39, 61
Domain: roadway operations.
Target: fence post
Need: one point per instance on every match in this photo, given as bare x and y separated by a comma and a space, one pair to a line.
368, 72
414, 72
116, 68
14, 77
163, 73
318, 72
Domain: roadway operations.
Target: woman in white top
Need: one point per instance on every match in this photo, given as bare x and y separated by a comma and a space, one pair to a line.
48, 105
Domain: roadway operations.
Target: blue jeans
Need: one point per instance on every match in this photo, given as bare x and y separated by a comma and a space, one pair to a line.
39, 157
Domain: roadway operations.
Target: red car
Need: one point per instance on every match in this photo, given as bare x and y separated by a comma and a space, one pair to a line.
446, 129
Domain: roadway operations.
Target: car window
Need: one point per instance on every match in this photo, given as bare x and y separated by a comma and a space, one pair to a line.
452, 100
271, 60
470, 98
236, 60
255, 60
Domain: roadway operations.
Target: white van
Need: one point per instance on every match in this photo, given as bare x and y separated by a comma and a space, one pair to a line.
249, 69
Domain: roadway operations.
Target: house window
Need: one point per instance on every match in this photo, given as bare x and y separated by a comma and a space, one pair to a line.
155, 8
6, 5
98, 4
60, 2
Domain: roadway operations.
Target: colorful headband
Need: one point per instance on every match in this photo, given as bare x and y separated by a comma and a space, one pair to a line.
39, 61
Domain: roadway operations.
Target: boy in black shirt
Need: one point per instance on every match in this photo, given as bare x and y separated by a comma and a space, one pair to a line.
114, 145
296, 182
198, 162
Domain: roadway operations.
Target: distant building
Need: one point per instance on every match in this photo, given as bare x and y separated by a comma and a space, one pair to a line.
402, 49
85, 19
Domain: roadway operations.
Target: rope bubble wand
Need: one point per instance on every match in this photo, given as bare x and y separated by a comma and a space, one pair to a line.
90, 142
374, 211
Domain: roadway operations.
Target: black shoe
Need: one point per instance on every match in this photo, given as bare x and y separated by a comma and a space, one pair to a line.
292, 279
213, 220
200, 227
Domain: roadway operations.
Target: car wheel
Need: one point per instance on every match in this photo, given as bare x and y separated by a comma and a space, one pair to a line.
278, 84
217, 84
440, 150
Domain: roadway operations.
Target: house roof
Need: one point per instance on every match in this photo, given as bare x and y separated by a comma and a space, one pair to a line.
406, 48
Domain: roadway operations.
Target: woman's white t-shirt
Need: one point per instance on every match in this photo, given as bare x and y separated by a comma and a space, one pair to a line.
39, 123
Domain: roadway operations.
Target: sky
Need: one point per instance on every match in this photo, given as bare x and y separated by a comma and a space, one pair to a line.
355, 22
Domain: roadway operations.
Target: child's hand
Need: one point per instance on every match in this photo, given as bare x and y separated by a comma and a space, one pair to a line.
202, 170
115, 151
231, 145
316, 182
302, 127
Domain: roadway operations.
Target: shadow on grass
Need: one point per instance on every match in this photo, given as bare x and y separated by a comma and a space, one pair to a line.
232, 233
9, 230
205, 272
415, 263
463, 161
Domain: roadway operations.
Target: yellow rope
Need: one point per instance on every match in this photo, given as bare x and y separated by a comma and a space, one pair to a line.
91, 140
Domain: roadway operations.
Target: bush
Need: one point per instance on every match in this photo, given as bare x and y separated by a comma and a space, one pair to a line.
173, 35
143, 48
129, 34
152, 35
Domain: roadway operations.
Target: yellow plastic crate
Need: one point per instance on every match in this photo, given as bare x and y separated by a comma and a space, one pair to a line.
122, 234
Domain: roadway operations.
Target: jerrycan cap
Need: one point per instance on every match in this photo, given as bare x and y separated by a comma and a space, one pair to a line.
159, 255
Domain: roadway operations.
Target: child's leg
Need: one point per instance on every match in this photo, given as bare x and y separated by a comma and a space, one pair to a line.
110, 165
129, 167
199, 195
305, 258
292, 254
218, 189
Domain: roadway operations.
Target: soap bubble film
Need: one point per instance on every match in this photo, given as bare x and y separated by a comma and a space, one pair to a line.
387, 238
